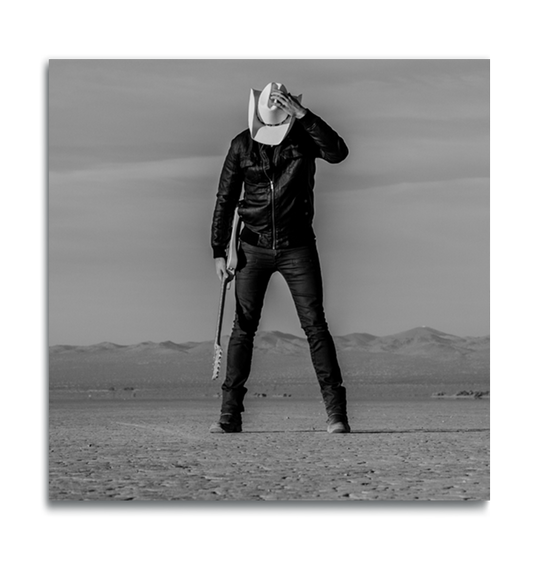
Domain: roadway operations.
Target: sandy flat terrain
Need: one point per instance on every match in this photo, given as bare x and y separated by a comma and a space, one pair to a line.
161, 450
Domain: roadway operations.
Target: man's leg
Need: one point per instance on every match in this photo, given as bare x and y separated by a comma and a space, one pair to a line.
301, 269
251, 280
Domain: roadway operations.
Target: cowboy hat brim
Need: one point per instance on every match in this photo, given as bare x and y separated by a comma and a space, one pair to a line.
268, 134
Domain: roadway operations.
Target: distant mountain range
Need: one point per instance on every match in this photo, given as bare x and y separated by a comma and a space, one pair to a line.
414, 363
421, 341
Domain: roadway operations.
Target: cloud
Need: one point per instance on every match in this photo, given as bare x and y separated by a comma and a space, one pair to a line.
178, 167
130, 215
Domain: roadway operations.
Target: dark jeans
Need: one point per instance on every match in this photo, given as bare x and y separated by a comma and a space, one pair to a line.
300, 267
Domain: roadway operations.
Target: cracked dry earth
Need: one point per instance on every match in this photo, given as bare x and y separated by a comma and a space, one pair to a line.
161, 450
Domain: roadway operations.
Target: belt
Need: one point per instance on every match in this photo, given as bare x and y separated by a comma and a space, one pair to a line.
298, 238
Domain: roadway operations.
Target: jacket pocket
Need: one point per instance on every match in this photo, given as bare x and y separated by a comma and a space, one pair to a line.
291, 152
254, 174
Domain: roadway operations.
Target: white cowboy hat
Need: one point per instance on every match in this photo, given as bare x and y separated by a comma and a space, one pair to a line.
267, 122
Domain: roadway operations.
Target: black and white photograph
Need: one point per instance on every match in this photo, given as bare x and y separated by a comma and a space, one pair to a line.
268, 280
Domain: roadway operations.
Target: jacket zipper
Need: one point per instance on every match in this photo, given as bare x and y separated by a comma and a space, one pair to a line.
273, 217
271, 181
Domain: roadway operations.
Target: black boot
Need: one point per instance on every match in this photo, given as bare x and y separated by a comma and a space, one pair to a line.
230, 415
335, 402
338, 424
228, 424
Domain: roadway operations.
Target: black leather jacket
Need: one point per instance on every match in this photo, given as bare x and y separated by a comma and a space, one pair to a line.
277, 208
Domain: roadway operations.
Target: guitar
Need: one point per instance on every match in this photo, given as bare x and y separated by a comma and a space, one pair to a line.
231, 266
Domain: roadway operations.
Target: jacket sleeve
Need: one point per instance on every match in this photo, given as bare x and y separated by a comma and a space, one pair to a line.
229, 191
329, 144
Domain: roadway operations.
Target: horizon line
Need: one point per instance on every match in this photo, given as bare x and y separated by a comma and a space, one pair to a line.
277, 332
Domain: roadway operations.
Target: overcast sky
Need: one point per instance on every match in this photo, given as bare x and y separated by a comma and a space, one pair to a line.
135, 151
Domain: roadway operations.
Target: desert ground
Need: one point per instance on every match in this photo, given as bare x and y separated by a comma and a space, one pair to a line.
126, 448
131, 422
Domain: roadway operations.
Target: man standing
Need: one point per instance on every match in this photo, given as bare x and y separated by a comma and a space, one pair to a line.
275, 161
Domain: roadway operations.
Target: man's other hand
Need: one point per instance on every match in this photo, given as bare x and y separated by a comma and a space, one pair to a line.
220, 268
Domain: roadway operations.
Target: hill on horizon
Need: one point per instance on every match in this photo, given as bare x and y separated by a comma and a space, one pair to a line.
418, 340
416, 362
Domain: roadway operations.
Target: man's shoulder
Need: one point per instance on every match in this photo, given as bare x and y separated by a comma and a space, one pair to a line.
242, 138
240, 144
